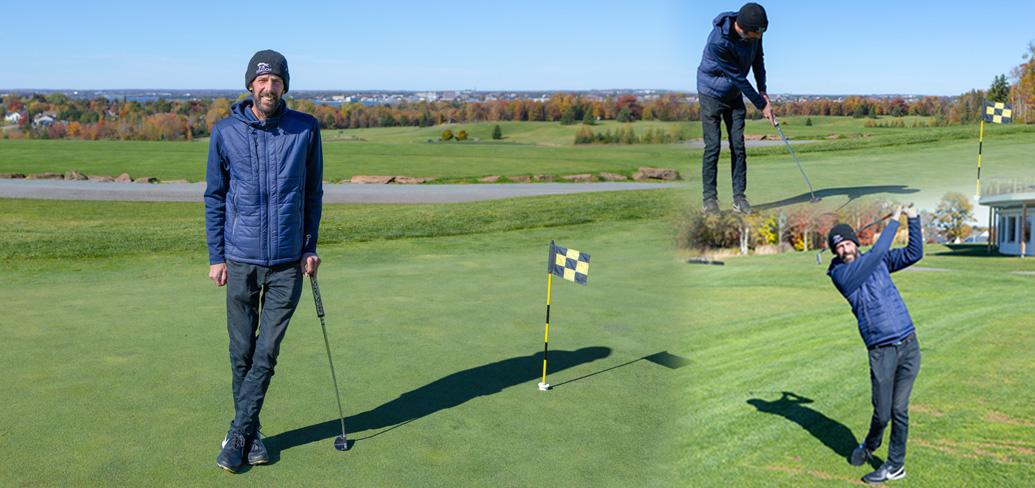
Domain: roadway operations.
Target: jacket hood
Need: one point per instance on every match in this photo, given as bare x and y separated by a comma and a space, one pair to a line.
243, 111
721, 22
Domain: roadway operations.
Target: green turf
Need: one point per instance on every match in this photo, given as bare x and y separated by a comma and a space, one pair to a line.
50, 229
116, 369
117, 366
528, 148
770, 324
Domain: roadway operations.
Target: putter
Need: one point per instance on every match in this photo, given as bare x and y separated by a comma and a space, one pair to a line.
795, 156
340, 442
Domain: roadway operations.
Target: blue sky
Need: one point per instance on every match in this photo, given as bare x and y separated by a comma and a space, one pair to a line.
833, 47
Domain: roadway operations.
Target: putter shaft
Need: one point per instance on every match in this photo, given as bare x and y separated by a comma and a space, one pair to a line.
327, 344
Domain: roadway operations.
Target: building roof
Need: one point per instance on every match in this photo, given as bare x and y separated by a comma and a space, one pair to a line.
1009, 200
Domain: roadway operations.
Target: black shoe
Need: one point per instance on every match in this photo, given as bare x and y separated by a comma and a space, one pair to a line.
711, 206
860, 455
741, 205
232, 455
257, 453
885, 473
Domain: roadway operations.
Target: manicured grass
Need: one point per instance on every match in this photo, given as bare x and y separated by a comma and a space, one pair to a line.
46, 229
117, 368
435, 340
764, 325
920, 173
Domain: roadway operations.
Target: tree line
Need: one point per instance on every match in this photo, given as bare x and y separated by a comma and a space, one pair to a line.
103, 118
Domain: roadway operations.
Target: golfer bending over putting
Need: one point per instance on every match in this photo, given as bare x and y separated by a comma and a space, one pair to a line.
262, 214
884, 324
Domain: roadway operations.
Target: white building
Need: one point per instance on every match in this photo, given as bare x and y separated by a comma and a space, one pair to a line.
13, 117
1011, 218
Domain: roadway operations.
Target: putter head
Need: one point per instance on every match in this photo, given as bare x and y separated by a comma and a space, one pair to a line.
341, 443
815, 199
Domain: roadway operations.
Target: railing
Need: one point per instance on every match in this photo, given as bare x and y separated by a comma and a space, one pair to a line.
1007, 185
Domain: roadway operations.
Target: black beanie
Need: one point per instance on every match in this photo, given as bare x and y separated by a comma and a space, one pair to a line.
839, 234
267, 62
752, 18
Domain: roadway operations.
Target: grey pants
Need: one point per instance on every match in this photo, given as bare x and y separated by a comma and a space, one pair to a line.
893, 369
259, 303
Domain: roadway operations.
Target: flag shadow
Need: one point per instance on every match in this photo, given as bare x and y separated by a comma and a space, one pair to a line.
831, 433
442, 394
852, 192
663, 358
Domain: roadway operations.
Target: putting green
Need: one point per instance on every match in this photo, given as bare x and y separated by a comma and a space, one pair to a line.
117, 368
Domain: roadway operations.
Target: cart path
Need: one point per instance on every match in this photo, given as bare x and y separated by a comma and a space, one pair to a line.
332, 193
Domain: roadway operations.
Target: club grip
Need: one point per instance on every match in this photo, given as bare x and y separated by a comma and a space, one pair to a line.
316, 296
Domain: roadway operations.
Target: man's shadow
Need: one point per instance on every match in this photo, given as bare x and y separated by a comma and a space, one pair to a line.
852, 192
441, 394
830, 432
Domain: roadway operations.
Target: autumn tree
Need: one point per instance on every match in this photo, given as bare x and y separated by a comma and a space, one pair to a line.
953, 217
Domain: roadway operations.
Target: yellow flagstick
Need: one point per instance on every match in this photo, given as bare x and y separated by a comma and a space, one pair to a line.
543, 385
981, 139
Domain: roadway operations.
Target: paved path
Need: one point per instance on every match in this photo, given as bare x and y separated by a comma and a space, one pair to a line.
347, 193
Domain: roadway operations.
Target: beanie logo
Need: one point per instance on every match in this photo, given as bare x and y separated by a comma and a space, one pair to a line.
838, 238
263, 68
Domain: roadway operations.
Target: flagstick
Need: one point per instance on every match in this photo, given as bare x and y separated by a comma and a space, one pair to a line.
981, 138
543, 385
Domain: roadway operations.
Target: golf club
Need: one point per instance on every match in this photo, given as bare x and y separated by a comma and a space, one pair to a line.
340, 442
882, 219
795, 156
819, 258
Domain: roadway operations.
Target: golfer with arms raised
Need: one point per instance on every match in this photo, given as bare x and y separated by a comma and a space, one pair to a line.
885, 326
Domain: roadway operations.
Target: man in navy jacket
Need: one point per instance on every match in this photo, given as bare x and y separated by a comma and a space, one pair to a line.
887, 330
262, 218
734, 47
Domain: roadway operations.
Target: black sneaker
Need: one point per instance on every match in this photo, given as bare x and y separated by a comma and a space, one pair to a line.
860, 455
884, 473
741, 205
232, 455
711, 206
257, 453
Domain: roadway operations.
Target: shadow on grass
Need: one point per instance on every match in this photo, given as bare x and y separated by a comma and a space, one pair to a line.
852, 192
972, 250
663, 358
441, 394
830, 432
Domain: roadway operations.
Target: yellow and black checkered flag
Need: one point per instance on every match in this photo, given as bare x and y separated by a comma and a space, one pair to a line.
997, 113
569, 264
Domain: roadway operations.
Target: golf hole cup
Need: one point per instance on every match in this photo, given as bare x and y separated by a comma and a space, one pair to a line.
544, 386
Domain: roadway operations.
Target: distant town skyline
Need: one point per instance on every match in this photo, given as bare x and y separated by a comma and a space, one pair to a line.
812, 47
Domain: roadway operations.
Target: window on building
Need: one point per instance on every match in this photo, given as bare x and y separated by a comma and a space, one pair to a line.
1011, 226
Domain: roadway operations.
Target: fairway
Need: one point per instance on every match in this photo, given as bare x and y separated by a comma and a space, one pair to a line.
766, 325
